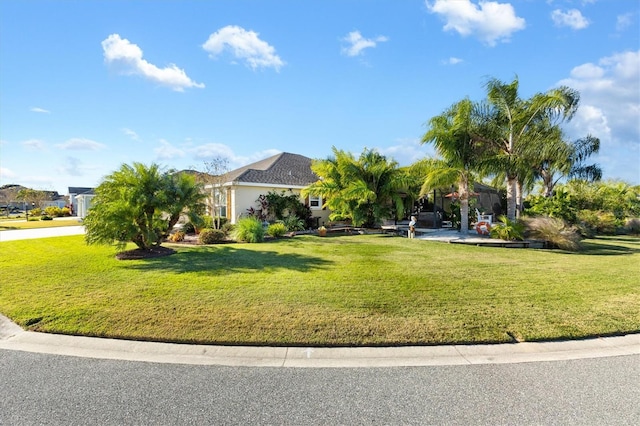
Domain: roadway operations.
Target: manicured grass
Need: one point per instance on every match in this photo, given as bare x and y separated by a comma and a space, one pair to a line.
339, 290
6, 225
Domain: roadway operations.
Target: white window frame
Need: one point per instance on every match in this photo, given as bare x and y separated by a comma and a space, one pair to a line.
317, 199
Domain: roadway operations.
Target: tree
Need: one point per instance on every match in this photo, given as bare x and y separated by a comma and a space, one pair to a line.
365, 190
562, 159
453, 136
139, 204
214, 178
511, 124
31, 197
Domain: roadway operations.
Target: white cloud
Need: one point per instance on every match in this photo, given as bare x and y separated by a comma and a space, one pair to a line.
133, 135
571, 18
489, 21
407, 151
128, 56
212, 150
34, 145
81, 144
452, 61
7, 173
72, 167
610, 109
40, 110
624, 21
244, 45
166, 151
357, 43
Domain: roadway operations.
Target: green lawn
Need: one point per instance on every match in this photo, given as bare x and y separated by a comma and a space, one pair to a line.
7, 225
339, 290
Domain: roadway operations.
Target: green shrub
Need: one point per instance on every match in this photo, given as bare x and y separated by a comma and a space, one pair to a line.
293, 223
65, 211
35, 211
250, 230
189, 228
53, 211
210, 236
177, 236
507, 229
227, 228
597, 223
554, 232
45, 217
276, 229
207, 222
632, 226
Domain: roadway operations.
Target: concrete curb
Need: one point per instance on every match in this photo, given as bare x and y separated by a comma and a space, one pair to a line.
13, 337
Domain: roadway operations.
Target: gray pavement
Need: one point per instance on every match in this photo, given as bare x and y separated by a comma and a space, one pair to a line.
12, 337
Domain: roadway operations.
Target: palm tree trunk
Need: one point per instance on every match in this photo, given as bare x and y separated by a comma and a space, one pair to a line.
511, 198
463, 190
519, 206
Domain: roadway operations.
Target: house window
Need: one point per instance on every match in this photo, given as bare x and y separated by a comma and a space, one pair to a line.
220, 202
315, 202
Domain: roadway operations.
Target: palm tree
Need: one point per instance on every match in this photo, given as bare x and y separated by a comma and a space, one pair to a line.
364, 191
453, 134
183, 194
511, 124
138, 203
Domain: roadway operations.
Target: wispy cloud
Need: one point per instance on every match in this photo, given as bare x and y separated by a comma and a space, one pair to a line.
489, 21
571, 18
81, 144
245, 46
133, 135
6, 173
34, 145
166, 151
128, 56
40, 110
72, 167
624, 21
357, 43
452, 61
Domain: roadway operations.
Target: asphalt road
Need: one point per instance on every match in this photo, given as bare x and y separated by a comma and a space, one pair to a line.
54, 389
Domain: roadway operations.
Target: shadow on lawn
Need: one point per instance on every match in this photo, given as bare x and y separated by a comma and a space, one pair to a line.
226, 258
611, 246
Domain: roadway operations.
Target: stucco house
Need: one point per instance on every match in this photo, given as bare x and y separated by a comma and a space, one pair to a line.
80, 199
282, 172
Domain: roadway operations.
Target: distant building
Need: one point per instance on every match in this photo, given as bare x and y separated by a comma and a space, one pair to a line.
80, 199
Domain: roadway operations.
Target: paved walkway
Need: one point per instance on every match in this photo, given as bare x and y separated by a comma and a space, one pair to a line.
12, 337
26, 234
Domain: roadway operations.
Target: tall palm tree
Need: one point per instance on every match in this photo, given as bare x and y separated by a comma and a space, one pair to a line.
454, 136
365, 190
510, 123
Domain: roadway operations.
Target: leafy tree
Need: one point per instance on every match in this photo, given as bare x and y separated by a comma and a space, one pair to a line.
140, 204
453, 135
511, 123
365, 190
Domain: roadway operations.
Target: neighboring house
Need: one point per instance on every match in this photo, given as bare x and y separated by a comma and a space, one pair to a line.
80, 199
282, 172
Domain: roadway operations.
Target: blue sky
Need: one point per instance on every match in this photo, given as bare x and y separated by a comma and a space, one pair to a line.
86, 86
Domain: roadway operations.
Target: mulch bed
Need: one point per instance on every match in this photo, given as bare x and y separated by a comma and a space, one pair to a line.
138, 253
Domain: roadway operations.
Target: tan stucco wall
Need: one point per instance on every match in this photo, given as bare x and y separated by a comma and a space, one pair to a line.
244, 197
